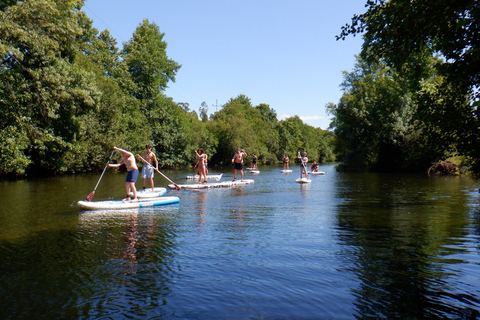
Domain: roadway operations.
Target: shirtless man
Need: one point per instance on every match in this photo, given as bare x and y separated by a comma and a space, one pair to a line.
148, 171
132, 169
237, 160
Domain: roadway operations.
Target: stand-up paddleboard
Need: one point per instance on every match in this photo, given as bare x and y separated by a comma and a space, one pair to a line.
118, 204
148, 193
254, 171
303, 180
286, 171
316, 172
224, 184
217, 177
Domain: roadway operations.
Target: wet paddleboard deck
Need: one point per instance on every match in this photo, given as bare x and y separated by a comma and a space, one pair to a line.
224, 184
118, 204
209, 176
303, 180
148, 193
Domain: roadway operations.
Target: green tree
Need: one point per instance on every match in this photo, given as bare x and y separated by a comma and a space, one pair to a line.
381, 124
43, 91
147, 61
403, 33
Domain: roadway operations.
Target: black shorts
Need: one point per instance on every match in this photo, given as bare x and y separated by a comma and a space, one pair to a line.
238, 166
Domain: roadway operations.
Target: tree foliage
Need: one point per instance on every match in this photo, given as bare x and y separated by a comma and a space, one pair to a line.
404, 34
257, 130
382, 123
68, 93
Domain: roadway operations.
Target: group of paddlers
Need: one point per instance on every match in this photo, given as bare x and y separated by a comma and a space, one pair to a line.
151, 165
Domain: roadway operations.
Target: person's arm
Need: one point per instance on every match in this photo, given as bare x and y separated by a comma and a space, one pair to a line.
155, 159
123, 152
115, 165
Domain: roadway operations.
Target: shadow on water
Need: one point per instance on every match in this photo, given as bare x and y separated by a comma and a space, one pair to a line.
409, 239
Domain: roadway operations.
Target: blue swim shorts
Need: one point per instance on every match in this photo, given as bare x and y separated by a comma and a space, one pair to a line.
132, 176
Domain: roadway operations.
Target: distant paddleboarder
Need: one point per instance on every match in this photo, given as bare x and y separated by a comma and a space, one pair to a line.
303, 164
237, 160
286, 161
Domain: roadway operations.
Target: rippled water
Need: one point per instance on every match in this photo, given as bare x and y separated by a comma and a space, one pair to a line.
345, 246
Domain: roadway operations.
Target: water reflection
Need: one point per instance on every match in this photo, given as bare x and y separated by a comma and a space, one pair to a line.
134, 260
402, 240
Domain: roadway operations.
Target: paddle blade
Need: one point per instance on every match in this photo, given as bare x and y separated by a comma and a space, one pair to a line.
90, 196
176, 186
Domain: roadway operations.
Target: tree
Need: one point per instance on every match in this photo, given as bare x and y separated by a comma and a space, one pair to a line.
404, 32
381, 124
43, 91
147, 61
203, 111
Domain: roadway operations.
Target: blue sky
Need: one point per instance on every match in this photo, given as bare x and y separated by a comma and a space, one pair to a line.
282, 53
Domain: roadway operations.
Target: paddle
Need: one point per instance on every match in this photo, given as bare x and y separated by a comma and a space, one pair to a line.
148, 163
90, 196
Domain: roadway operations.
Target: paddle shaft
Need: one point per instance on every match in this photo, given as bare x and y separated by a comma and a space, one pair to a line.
148, 163
90, 196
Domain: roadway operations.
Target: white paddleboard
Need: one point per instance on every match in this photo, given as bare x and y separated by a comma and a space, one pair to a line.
118, 204
303, 180
286, 171
316, 172
148, 193
254, 171
209, 176
224, 184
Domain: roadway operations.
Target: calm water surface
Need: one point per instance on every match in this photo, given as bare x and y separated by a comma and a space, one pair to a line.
346, 246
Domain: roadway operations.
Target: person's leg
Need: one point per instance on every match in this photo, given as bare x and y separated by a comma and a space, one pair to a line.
134, 190
127, 190
151, 184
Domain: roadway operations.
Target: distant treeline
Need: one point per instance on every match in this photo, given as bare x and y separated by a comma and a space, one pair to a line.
68, 94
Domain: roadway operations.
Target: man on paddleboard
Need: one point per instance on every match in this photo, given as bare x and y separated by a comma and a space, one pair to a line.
148, 170
132, 169
237, 160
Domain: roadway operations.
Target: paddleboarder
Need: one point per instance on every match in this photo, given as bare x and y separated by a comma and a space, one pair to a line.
286, 161
237, 160
201, 165
303, 164
148, 171
132, 171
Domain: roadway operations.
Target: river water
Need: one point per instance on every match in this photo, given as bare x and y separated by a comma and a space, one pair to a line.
345, 246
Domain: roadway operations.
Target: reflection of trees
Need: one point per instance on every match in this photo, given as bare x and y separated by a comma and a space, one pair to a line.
133, 255
400, 236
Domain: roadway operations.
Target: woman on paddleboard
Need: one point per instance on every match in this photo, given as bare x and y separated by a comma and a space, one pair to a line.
201, 165
303, 164
132, 169
286, 161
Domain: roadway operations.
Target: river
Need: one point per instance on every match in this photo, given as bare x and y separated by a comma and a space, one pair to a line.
345, 246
